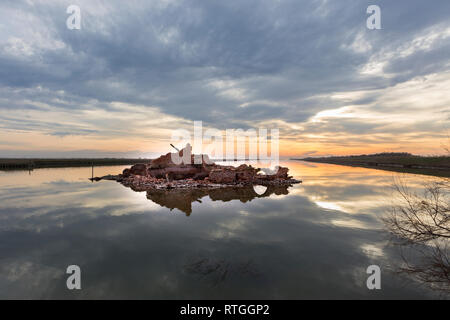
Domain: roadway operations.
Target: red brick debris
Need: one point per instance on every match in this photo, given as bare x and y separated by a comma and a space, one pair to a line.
195, 172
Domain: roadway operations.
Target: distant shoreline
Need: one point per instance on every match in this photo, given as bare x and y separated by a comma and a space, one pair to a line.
433, 166
399, 162
38, 163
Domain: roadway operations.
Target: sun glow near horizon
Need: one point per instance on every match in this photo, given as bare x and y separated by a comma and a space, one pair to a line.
91, 92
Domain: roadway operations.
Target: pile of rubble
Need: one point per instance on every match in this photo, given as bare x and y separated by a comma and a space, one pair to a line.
195, 171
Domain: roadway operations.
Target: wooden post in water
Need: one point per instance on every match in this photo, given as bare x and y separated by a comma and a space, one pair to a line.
92, 171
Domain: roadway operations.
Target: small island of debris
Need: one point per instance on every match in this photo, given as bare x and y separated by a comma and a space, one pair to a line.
195, 171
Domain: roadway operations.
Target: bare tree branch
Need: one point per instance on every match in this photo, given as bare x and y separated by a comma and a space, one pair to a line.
421, 224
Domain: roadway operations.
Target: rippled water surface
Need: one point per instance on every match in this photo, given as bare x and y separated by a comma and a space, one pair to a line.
313, 240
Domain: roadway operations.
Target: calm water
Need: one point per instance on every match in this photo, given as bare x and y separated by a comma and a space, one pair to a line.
314, 240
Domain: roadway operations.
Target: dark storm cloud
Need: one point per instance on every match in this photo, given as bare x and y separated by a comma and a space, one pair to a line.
227, 63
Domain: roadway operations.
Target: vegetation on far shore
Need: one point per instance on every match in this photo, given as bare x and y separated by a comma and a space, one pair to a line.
394, 161
28, 164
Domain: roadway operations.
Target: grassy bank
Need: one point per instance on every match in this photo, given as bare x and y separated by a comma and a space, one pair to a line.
399, 162
29, 164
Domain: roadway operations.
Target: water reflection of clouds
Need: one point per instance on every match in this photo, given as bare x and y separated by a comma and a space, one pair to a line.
130, 247
346, 189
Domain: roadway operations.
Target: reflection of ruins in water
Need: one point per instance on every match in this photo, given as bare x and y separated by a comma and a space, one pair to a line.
182, 199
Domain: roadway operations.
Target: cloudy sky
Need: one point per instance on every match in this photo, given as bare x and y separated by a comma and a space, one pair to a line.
137, 70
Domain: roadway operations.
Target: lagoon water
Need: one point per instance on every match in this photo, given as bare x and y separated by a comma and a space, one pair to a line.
314, 240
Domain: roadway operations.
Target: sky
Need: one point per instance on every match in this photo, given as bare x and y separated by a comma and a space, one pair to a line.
138, 70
